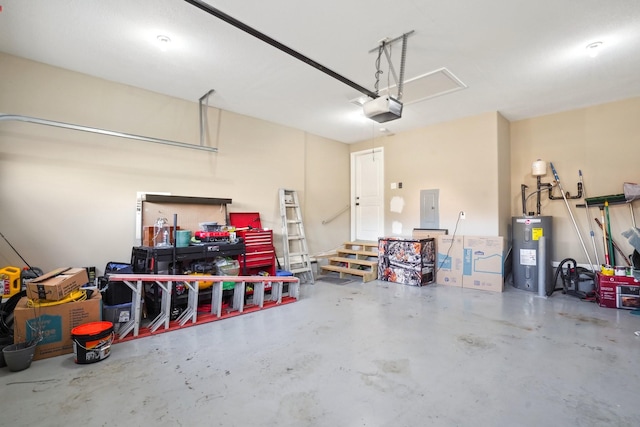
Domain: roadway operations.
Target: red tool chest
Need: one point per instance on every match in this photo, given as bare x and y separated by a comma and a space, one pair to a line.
260, 252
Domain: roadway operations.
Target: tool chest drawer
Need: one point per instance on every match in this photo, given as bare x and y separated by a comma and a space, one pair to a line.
256, 238
256, 259
255, 262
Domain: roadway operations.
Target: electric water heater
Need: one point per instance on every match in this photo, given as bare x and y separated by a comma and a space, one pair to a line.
530, 260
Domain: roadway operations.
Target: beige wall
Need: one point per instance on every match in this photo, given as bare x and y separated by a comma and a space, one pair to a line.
504, 178
604, 142
478, 164
326, 193
69, 198
460, 159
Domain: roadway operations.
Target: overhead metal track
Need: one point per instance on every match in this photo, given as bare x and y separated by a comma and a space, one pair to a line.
19, 118
265, 38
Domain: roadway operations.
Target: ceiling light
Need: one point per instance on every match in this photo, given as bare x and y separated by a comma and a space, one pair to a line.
163, 42
361, 100
594, 48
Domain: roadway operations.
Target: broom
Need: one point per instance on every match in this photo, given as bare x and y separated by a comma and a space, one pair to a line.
604, 237
612, 254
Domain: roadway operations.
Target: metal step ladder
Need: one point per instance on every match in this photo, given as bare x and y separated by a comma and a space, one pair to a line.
294, 242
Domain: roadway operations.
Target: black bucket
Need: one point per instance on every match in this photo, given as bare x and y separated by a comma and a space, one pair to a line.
18, 356
92, 341
4, 342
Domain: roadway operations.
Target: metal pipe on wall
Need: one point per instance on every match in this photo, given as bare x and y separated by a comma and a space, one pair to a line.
203, 115
28, 119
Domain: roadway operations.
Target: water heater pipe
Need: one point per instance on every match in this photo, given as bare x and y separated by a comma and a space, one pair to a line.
523, 188
542, 268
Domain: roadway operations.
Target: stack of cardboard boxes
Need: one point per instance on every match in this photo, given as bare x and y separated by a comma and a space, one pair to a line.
470, 262
56, 307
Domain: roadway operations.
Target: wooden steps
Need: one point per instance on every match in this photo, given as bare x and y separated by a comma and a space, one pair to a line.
356, 259
366, 262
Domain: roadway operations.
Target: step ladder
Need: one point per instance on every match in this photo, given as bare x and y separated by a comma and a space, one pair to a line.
294, 242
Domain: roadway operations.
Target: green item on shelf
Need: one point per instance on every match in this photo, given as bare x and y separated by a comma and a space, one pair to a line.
612, 199
227, 267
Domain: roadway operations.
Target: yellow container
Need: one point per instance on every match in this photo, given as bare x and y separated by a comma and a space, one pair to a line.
10, 281
202, 285
606, 270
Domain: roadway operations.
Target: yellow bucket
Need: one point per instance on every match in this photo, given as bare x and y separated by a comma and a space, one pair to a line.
10, 281
606, 270
202, 285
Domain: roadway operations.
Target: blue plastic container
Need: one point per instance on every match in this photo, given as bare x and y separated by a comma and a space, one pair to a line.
283, 273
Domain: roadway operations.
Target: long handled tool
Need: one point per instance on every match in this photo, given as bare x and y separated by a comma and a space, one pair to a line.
564, 197
607, 261
586, 211
612, 255
16, 251
615, 245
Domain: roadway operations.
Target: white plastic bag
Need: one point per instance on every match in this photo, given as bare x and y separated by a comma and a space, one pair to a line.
631, 191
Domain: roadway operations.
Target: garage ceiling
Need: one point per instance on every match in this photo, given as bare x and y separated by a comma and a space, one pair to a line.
520, 58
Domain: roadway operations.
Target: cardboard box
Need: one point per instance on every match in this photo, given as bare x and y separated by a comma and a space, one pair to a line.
449, 261
607, 286
483, 263
410, 262
55, 322
618, 292
425, 233
57, 284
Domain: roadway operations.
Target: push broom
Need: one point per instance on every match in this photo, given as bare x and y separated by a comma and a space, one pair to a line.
607, 261
612, 255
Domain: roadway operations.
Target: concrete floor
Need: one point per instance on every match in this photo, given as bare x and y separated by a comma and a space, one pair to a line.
373, 354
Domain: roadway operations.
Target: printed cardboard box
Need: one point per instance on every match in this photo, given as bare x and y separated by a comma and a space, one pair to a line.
618, 292
483, 263
55, 323
407, 261
449, 261
57, 284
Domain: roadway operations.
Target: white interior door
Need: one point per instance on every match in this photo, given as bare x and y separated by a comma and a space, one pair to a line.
367, 194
